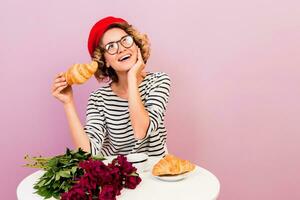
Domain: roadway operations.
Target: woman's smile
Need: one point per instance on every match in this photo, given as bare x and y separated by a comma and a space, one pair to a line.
125, 58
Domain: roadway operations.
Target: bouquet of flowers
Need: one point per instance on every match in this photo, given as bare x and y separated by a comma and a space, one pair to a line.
77, 175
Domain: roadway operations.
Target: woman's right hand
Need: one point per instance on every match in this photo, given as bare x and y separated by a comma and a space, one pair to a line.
61, 90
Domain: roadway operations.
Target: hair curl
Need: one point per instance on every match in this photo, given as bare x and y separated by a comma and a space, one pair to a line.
141, 40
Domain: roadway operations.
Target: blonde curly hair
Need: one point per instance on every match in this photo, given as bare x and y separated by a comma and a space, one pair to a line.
141, 40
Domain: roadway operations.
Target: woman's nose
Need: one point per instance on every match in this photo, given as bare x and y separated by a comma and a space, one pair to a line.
121, 48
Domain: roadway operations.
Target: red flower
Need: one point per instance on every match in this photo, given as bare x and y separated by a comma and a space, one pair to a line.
126, 167
107, 193
132, 181
104, 182
75, 193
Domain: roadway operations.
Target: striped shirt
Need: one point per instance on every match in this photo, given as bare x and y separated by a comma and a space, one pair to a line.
108, 124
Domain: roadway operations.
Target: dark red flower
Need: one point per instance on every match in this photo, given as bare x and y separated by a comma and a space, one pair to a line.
132, 181
75, 193
107, 193
126, 167
104, 182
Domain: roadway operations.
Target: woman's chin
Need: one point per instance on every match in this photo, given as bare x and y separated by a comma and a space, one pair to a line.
126, 66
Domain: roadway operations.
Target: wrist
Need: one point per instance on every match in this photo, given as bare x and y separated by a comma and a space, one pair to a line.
132, 79
68, 104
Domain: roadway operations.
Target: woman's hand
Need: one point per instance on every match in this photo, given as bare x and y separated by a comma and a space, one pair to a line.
137, 68
61, 90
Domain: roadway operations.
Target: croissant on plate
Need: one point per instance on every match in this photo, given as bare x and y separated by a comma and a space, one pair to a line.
80, 73
172, 165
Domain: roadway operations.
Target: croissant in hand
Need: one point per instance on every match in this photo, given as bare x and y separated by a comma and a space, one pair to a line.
80, 73
172, 165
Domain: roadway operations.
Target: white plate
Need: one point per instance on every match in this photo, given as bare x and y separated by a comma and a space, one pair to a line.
175, 178
109, 159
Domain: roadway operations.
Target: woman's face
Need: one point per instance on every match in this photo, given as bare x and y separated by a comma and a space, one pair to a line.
120, 61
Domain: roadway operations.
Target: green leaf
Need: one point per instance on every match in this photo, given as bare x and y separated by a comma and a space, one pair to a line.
99, 157
56, 184
41, 183
50, 180
56, 196
60, 172
74, 169
65, 174
57, 177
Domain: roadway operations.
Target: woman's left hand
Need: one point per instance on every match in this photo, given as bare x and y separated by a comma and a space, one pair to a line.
137, 68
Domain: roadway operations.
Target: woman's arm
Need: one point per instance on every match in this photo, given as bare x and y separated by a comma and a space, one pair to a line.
64, 93
138, 115
78, 134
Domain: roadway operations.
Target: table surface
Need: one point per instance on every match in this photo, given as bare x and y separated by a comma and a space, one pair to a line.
200, 184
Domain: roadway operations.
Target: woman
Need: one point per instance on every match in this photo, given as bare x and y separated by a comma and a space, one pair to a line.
127, 115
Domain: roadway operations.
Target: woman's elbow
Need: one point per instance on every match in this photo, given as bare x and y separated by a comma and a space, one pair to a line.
140, 135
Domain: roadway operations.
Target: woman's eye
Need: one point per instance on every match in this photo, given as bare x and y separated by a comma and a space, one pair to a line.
127, 40
109, 46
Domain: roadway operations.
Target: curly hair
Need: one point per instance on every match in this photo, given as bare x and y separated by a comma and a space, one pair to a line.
141, 40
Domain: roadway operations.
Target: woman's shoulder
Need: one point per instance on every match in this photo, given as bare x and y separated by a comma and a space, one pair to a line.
157, 76
99, 92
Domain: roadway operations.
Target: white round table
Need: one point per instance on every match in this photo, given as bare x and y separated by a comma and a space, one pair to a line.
199, 185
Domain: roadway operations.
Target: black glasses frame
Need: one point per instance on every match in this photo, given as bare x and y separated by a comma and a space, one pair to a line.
117, 43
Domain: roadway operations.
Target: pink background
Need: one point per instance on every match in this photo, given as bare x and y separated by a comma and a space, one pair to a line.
235, 70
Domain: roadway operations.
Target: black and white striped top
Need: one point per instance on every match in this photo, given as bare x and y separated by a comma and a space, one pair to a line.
108, 124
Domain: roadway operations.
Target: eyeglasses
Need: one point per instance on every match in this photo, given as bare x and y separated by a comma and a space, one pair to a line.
113, 47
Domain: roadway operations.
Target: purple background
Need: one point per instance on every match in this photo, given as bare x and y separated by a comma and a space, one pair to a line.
234, 106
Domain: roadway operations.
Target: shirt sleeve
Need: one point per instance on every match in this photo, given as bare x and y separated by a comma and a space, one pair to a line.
94, 126
156, 102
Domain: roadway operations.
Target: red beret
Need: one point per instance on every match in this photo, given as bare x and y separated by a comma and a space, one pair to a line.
98, 30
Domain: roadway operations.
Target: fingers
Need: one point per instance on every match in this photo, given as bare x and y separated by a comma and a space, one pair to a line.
59, 78
59, 75
56, 87
140, 57
60, 88
139, 65
60, 84
139, 61
140, 54
59, 81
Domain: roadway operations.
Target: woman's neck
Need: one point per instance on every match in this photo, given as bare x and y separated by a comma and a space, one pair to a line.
122, 84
